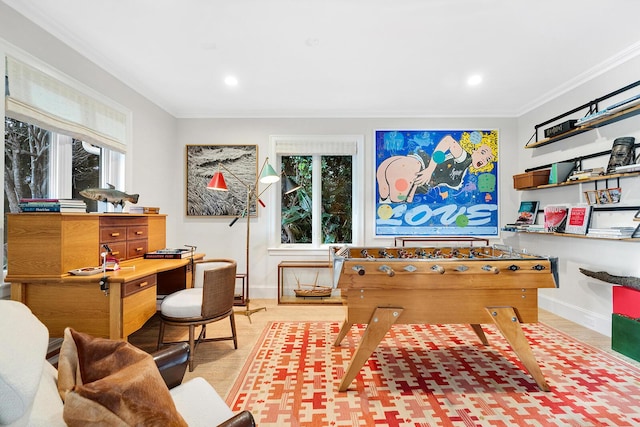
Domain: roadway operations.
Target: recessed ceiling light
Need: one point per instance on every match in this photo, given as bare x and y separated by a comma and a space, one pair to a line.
474, 80
231, 81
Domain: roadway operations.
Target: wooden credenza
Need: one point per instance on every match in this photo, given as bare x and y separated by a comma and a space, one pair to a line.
44, 247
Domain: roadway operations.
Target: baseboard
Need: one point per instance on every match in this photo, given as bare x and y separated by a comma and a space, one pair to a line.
594, 321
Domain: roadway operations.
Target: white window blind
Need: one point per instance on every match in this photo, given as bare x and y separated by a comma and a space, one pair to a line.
39, 98
330, 145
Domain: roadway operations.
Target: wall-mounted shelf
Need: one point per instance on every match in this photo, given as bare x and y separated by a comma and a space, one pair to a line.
582, 181
592, 107
606, 120
578, 236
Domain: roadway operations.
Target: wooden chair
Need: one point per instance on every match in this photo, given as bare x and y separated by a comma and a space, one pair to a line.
209, 300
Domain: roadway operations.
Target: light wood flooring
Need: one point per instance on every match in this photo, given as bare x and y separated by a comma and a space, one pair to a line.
220, 364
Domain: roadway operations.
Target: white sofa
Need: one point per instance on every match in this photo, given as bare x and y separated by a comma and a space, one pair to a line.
28, 382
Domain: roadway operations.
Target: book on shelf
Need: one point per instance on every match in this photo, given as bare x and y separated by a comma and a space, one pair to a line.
560, 171
611, 232
144, 210
527, 212
578, 219
61, 201
58, 208
536, 228
555, 218
585, 174
168, 254
52, 205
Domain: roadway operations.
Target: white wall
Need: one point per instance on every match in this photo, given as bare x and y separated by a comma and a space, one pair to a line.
582, 299
216, 238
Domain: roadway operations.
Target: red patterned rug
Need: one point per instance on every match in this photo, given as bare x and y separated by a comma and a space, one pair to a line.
432, 375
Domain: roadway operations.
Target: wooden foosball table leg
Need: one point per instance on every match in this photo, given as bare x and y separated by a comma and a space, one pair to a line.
480, 333
508, 323
381, 321
344, 330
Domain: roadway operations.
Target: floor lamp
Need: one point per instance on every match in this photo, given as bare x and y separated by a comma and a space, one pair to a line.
267, 175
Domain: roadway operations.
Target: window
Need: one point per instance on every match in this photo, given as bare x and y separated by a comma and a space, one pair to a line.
43, 164
327, 207
335, 220
60, 136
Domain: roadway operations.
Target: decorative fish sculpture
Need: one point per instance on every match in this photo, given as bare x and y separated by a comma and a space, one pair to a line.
626, 281
110, 195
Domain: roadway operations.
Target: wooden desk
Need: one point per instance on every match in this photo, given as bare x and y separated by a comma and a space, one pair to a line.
78, 301
384, 286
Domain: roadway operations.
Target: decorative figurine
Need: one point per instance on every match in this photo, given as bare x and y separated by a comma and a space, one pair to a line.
111, 195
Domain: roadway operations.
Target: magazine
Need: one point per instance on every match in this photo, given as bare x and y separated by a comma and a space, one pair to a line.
555, 218
527, 212
578, 219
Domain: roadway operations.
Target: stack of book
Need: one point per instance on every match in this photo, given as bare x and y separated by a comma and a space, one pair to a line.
168, 254
52, 205
612, 232
144, 210
585, 174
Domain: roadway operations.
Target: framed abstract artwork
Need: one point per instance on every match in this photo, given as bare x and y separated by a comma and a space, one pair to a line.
436, 183
240, 169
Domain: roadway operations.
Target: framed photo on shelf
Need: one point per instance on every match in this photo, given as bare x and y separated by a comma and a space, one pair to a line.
604, 196
591, 197
241, 169
615, 194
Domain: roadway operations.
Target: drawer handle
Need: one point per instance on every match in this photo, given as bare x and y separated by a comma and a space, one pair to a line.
115, 253
139, 249
143, 284
114, 234
139, 232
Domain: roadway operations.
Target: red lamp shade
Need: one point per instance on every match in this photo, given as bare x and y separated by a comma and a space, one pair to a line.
217, 182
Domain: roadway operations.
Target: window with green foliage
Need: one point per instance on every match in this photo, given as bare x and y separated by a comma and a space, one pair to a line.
334, 218
322, 211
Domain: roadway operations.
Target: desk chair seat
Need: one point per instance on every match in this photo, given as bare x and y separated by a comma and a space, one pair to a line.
211, 299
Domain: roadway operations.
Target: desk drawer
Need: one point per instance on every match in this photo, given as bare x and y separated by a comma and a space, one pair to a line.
118, 250
113, 234
136, 248
138, 285
137, 232
137, 309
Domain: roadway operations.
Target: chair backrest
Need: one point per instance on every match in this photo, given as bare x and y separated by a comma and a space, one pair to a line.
218, 289
200, 266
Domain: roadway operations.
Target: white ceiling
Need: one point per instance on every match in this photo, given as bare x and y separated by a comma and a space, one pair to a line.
345, 58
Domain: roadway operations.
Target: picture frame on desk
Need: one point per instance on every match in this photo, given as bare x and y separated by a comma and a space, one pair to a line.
202, 161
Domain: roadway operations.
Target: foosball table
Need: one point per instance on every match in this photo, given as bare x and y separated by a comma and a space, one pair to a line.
441, 285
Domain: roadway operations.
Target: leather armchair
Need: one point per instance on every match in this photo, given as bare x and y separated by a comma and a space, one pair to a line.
28, 382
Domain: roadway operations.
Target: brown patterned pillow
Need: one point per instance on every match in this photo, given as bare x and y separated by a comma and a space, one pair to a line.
112, 383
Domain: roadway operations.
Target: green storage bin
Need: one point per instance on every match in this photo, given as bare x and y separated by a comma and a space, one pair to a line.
625, 336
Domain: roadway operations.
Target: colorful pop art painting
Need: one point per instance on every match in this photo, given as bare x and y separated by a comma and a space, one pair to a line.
436, 183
